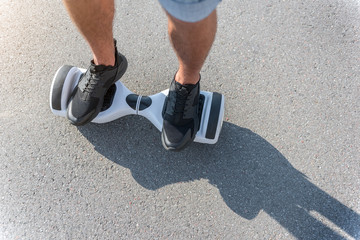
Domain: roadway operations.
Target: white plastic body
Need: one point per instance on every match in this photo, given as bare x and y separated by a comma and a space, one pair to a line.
120, 107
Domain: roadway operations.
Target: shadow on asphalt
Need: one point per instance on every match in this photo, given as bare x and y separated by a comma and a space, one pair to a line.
251, 175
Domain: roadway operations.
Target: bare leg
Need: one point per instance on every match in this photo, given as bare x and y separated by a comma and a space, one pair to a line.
192, 43
94, 19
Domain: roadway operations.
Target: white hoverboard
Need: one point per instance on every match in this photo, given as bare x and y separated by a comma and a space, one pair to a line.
120, 101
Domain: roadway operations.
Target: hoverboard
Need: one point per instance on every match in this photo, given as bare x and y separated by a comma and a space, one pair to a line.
120, 101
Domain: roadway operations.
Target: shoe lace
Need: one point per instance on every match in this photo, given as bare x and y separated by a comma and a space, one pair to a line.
92, 81
181, 97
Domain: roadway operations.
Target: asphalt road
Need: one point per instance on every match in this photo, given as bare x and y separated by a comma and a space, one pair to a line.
286, 165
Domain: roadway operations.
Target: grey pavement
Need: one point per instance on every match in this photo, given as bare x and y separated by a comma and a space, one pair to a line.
286, 165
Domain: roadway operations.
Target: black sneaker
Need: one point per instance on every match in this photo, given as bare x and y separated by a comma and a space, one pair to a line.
88, 96
181, 118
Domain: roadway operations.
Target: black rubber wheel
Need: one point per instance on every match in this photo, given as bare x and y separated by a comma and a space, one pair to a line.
57, 86
214, 116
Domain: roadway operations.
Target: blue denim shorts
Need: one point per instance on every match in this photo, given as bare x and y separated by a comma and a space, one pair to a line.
189, 10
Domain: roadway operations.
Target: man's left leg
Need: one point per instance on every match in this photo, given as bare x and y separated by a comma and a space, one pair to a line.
192, 39
192, 43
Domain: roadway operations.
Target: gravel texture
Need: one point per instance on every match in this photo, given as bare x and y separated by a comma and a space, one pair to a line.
287, 162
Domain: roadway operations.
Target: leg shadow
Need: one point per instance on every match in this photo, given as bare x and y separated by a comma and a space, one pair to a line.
249, 172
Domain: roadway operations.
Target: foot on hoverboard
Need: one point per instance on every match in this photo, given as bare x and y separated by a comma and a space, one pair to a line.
181, 115
120, 101
88, 97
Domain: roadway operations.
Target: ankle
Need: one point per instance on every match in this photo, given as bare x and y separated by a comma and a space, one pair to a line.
183, 79
106, 61
105, 55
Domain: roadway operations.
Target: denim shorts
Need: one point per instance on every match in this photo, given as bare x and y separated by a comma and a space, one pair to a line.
189, 10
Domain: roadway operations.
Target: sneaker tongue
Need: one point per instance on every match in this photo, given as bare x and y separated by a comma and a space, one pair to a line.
186, 88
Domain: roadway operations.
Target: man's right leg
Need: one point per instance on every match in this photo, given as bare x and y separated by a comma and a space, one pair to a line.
94, 19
